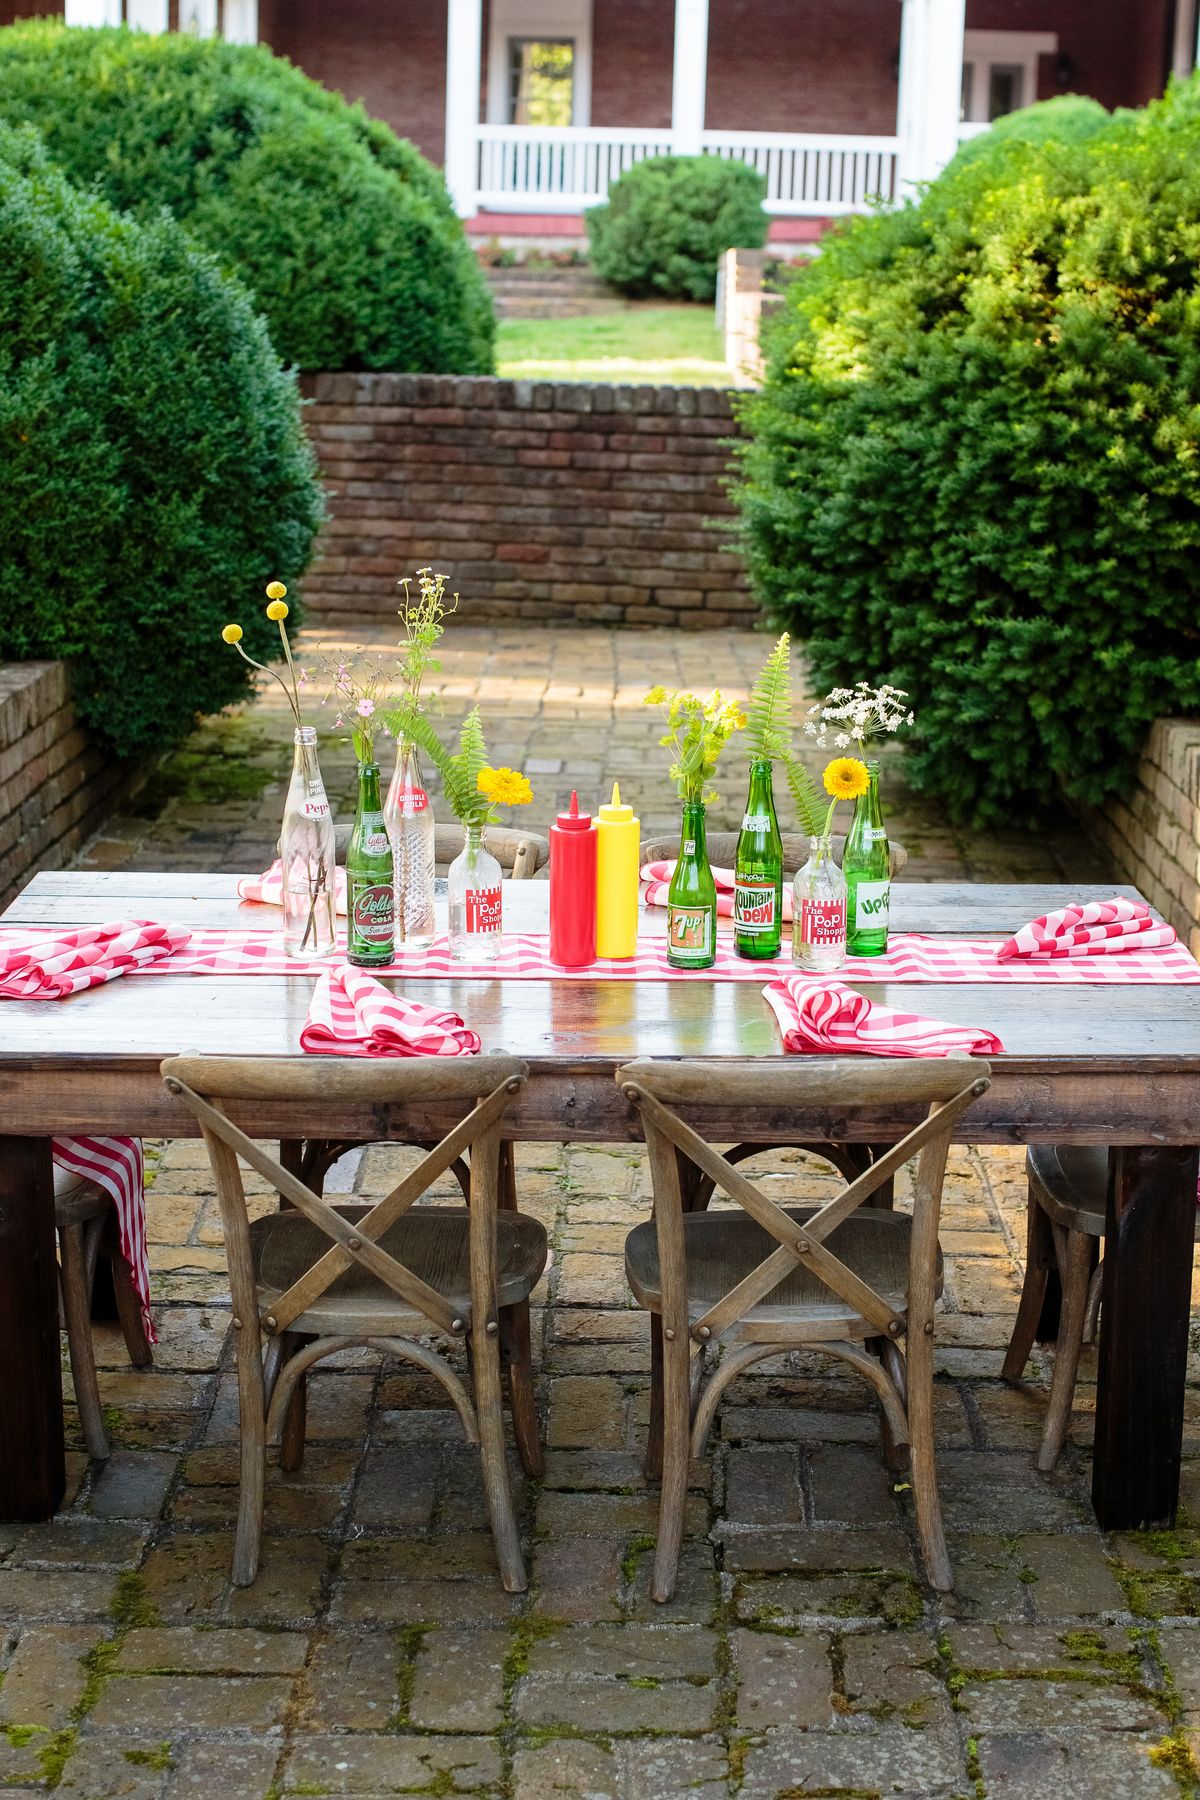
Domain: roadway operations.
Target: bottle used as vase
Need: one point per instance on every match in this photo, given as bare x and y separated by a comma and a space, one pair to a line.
474, 883
867, 866
370, 897
409, 819
692, 897
307, 856
758, 872
819, 911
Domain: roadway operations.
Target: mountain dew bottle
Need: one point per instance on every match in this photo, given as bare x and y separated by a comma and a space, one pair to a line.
867, 866
758, 872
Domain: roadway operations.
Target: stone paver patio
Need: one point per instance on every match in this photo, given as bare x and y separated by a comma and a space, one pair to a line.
377, 1654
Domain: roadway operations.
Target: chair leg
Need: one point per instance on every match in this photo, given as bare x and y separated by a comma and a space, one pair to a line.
1039, 1259
1095, 1290
252, 1428
76, 1301
295, 1420
485, 1365
1075, 1267
129, 1313
516, 1350
926, 1498
652, 1463
676, 1455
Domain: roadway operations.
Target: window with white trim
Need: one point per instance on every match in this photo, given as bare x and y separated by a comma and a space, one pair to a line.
1000, 71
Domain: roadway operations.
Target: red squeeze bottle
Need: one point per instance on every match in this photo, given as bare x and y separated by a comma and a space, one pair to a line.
573, 888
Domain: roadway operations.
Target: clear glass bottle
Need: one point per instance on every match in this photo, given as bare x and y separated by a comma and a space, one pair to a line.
692, 897
476, 906
409, 819
307, 856
867, 866
819, 911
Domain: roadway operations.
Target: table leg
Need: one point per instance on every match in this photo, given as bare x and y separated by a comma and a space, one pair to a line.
1148, 1244
33, 1473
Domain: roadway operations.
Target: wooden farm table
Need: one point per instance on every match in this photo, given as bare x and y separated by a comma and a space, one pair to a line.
1112, 1065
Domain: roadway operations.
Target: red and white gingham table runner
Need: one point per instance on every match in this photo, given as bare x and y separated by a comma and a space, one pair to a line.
352, 1014
116, 1165
817, 1016
656, 877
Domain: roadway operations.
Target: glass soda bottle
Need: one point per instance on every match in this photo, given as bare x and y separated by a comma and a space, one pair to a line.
476, 894
819, 911
692, 898
409, 818
867, 866
307, 856
370, 896
758, 872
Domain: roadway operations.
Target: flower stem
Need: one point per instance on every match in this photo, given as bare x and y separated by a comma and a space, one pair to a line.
292, 702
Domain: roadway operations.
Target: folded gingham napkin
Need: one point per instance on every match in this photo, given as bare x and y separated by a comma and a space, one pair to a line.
268, 887
116, 1164
352, 1014
1096, 929
657, 877
816, 1015
48, 965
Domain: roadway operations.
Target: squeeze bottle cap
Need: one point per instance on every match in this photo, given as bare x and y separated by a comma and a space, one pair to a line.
613, 813
574, 820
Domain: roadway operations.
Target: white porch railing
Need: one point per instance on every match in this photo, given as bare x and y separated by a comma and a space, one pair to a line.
563, 169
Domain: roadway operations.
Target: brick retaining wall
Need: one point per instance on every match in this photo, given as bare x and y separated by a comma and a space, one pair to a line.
1154, 836
55, 786
541, 500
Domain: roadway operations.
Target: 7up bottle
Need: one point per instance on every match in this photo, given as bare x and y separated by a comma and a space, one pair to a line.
692, 898
370, 895
867, 866
758, 872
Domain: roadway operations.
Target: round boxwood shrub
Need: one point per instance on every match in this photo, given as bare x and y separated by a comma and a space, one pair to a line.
669, 219
974, 467
156, 474
344, 234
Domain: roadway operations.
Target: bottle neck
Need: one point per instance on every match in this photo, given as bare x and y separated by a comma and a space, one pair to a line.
693, 828
304, 756
762, 796
368, 787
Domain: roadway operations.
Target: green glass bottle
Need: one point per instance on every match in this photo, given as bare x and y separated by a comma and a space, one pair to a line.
692, 898
867, 866
371, 894
758, 872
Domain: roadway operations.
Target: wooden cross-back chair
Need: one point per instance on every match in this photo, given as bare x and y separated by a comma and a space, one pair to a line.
309, 1281
845, 1278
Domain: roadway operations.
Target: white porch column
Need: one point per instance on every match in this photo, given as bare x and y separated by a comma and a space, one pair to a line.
689, 77
464, 30
92, 12
1185, 50
930, 97
240, 22
146, 15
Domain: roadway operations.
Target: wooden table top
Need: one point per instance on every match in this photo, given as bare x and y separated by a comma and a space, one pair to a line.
1112, 1064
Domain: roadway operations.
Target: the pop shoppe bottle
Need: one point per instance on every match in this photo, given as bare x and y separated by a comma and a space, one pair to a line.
758, 872
370, 895
867, 866
474, 888
692, 898
819, 911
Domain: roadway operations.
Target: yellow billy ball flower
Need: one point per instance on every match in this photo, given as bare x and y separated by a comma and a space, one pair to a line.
504, 787
278, 608
846, 778
276, 590
232, 634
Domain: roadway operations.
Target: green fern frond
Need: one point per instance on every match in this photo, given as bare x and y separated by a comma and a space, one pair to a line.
472, 751
407, 722
769, 708
805, 798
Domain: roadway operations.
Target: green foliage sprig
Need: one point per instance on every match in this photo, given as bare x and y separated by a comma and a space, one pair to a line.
423, 621
473, 788
697, 732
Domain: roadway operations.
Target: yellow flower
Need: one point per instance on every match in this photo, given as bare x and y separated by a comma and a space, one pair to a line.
846, 778
278, 608
505, 787
656, 696
232, 634
276, 590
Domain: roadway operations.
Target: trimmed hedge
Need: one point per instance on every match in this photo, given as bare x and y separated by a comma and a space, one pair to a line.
668, 221
156, 474
343, 232
974, 468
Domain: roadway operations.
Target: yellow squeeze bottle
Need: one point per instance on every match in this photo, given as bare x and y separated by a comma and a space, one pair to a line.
618, 846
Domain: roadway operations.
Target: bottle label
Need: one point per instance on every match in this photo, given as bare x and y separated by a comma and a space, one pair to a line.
412, 801
314, 809
754, 908
756, 821
689, 846
483, 909
689, 929
872, 901
822, 921
375, 843
373, 914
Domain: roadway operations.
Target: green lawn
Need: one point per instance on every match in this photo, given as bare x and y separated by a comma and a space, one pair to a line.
641, 343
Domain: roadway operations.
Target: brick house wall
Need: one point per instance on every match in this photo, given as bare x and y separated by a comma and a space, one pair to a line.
1154, 834
539, 500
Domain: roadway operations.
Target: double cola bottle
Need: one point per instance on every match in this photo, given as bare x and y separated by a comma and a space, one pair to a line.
758, 872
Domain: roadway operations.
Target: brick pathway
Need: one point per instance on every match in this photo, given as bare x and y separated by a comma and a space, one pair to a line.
377, 1655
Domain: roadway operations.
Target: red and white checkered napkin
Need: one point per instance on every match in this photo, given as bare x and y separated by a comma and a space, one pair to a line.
268, 887
48, 965
657, 879
116, 1165
352, 1014
1095, 929
816, 1014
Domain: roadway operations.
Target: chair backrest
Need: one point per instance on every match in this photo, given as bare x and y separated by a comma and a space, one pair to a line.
815, 1095
484, 1085
722, 849
520, 853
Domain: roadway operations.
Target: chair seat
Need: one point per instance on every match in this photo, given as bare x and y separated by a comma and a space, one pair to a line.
76, 1199
723, 1247
432, 1242
1070, 1183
